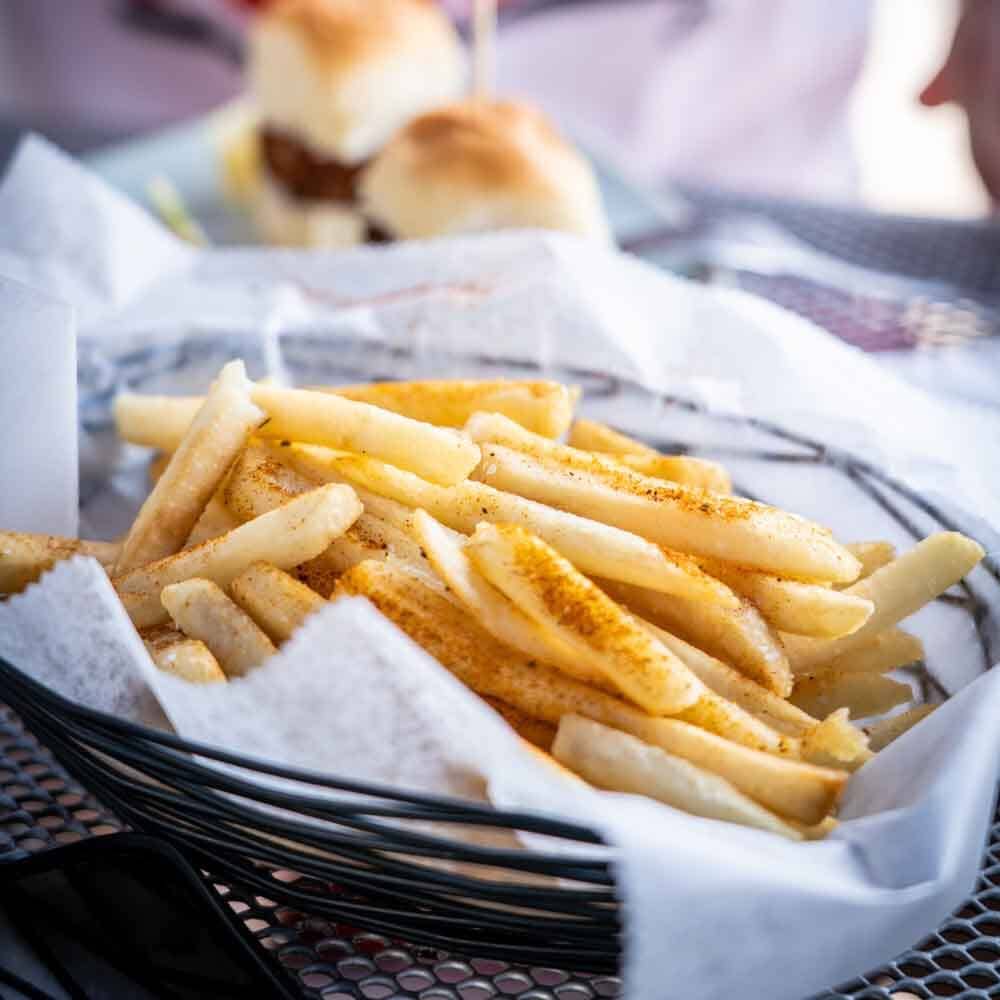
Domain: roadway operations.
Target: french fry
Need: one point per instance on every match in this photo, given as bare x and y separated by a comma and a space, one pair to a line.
592, 547
259, 483
740, 638
495, 428
214, 438
319, 465
262, 481
276, 602
477, 658
508, 624
202, 610
537, 733
589, 435
216, 519
619, 762
685, 470
889, 650
897, 590
779, 714
863, 694
818, 831
549, 590
489, 667
368, 538
438, 454
498, 615
705, 524
834, 742
871, 555
800, 791
25, 557
155, 421
725, 718
285, 537
175, 653
801, 608
543, 407
157, 466
887, 731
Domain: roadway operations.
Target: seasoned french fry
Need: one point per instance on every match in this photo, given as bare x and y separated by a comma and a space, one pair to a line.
897, 590
491, 668
622, 763
259, 483
276, 602
25, 557
285, 537
538, 733
479, 660
871, 555
589, 435
802, 608
727, 719
214, 438
157, 466
706, 524
834, 742
549, 590
202, 610
216, 519
367, 538
262, 480
889, 650
886, 731
438, 454
779, 714
155, 421
498, 615
863, 694
543, 407
495, 428
686, 470
592, 547
740, 638
175, 653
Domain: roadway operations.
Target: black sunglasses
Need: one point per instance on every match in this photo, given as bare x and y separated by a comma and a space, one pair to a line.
126, 915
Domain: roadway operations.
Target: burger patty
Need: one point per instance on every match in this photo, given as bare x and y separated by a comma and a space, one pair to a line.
303, 174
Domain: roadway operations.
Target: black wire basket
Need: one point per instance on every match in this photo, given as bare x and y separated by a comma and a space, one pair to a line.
393, 862
359, 853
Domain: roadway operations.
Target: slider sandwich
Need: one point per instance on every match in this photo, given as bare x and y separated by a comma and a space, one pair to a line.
333, 80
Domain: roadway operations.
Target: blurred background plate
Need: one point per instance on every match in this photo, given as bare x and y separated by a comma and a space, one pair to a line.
188, 154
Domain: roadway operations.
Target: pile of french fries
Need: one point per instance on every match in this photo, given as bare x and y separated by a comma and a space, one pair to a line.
620, 608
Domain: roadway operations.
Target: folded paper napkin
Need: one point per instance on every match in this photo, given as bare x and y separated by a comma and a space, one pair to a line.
709, 908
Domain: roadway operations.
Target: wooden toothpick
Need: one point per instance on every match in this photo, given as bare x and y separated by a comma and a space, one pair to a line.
484, 39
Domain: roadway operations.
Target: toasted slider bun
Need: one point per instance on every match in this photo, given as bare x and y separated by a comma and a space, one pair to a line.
476, 166
340, 76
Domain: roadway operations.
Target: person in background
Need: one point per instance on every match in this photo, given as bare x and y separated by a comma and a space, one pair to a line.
732, 93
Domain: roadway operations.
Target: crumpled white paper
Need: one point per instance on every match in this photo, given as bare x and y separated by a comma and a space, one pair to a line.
38, 463
710, 909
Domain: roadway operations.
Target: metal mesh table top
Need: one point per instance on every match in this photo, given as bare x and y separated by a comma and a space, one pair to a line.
41, 807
